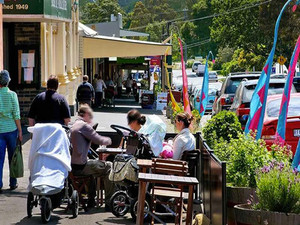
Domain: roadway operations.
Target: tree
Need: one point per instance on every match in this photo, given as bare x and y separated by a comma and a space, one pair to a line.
100, 11
140, 16
239, 29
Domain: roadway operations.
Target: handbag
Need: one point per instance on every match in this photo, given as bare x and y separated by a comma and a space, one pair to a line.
124, 168
16, 166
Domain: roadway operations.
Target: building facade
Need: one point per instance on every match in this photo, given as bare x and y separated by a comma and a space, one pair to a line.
41, 38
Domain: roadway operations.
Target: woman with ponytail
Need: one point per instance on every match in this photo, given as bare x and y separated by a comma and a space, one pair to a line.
152, 126
185, 140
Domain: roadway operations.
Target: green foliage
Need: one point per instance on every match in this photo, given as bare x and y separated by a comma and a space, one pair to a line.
245, 156
222, 127
140, 16
278, 188
243, 61
224, 55
100, 11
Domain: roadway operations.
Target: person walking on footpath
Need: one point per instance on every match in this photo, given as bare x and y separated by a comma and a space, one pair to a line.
119, 85
10, 125
85, 92
100, 86
49, 106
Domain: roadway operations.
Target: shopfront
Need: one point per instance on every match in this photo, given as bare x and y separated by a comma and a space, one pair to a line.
41, 39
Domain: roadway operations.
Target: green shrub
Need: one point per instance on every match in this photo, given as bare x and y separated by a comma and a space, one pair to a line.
278, 188
222, 127
245, 156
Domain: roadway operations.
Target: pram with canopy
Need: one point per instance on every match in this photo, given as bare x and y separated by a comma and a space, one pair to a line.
49, 165
124, 171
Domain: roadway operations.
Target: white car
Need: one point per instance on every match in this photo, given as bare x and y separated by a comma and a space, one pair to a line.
195, 66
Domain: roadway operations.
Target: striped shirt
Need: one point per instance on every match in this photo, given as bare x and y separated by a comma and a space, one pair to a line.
9, 110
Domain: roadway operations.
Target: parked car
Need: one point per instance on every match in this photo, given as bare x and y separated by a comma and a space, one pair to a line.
225, 96
213, 76
296, 81
193, 81
196, 94
243, 96
195, 66
293, 121
200, 71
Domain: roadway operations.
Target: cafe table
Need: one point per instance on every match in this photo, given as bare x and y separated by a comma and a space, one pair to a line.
109, 151
145, 178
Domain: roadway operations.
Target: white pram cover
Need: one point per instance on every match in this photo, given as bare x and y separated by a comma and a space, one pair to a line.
49, 157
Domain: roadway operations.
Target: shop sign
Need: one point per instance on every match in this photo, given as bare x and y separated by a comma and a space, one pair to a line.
155, 60
55, 8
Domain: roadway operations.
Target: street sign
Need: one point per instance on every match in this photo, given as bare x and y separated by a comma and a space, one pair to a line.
281, 60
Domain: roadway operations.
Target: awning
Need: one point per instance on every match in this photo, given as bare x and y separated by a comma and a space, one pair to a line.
104, 47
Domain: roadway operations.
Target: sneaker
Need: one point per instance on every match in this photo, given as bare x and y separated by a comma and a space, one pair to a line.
13, 187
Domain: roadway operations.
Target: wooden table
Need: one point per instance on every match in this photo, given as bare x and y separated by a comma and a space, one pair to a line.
110, 151
145, 178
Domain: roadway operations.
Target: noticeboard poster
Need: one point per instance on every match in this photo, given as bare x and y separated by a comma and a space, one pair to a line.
161, 102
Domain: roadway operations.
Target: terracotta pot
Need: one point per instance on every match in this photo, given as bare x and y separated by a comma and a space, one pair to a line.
236, 196
247, 216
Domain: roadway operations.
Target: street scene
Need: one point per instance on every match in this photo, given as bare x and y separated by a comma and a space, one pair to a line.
150, 112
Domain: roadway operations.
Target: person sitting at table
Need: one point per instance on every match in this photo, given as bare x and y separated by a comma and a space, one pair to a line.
82, 135
152, 126
185, 140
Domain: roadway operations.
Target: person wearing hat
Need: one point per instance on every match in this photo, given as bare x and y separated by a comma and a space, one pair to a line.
10, 125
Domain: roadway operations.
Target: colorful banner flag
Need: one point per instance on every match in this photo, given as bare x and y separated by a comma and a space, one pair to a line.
185, 93
175, 106
258, 102
205, 84
284, 108
296, 160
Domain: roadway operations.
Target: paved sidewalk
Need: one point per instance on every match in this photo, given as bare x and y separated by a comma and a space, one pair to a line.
13, 203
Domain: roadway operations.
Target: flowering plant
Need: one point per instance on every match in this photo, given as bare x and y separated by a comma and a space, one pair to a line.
278, 188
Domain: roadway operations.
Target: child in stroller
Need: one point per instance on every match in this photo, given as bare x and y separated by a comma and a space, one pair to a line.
124, 171
49, 164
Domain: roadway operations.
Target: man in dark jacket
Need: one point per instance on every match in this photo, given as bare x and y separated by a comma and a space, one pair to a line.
49, 106
85, 92
82, 135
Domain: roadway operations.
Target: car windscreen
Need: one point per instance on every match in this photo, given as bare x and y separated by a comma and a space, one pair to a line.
274, 89
232, 85
273, 107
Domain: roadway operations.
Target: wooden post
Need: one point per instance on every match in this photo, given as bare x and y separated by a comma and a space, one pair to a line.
1, 39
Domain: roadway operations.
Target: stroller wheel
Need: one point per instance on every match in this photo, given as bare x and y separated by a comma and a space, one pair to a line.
30, 204
45, 209
75, 203
119, 204
134, 206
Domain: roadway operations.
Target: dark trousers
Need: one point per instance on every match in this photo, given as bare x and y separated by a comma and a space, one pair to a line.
119, 92
99, 96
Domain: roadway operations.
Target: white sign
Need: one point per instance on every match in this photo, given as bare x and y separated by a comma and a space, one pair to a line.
161, 102
28, 74
59, 4
27, 59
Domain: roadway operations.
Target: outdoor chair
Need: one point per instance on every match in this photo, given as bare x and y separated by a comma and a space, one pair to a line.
192, 158
168, 167
80, 184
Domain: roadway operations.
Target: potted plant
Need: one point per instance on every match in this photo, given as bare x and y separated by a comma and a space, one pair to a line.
243, 156
278, 193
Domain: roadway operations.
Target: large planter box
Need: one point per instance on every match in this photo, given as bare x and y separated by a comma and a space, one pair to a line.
247, 216
236, 196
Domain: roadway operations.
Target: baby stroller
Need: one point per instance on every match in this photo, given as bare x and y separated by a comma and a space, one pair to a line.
49, 164
124, 172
